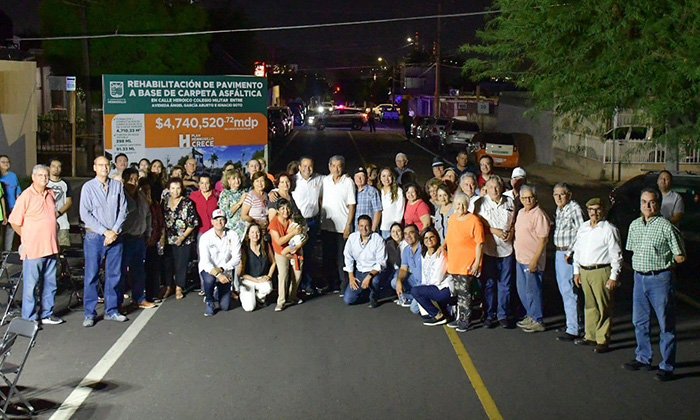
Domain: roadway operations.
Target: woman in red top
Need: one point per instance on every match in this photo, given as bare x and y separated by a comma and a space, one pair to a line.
281, 231
417, 211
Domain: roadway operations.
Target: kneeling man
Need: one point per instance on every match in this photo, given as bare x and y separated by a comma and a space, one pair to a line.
365, 258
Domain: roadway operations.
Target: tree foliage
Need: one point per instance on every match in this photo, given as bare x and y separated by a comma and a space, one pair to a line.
589, 58
159, 55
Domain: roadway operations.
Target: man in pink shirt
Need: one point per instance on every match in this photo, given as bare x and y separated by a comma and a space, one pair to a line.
34, 220
205, 201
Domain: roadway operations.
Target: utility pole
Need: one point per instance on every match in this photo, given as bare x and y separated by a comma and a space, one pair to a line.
89, 144
437, 63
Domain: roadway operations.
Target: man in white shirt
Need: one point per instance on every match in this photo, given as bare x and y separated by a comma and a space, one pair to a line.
219, 255
497, 213
337, 216
365, 258
597, 265
307, 196
121, 162
672, 207
64, 201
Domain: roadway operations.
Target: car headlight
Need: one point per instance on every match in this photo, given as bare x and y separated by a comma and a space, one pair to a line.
311, 120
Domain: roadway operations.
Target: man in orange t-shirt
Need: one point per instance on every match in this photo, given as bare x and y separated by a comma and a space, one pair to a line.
464, 242
34, 220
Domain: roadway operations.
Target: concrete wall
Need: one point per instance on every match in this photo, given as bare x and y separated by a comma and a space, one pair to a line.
18, 114
538, 129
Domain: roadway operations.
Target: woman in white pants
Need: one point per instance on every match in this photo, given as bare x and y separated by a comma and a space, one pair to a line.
256, 268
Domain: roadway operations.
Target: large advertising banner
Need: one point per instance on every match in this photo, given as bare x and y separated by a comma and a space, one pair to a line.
214, 119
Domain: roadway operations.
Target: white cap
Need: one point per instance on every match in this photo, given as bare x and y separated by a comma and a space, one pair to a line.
217, 213
518, 173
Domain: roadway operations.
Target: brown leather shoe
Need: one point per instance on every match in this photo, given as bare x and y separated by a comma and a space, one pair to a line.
147, 305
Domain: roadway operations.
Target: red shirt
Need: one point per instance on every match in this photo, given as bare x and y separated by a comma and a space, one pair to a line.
413, 213
205, 207
281, 229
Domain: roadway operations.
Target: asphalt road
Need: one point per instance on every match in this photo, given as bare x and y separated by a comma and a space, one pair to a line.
324, 360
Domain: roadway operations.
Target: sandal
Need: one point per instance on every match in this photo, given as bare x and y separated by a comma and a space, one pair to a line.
178, 293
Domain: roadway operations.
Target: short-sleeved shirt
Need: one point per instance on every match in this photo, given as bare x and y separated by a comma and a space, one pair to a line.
461, 241
392, 211
368, 202
530, 227
499, 216
12, 190
654, 244
671, 203
205, 207
61, 190
413, 213
412, 260
337, 196
277, 226
35, 212
258, 205
179, 220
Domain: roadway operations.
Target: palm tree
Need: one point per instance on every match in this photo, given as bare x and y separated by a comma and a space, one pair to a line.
213, 158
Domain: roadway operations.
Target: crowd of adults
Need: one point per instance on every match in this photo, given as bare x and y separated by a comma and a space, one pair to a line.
439, 248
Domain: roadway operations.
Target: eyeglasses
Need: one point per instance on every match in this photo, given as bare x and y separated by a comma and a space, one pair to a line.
595, 209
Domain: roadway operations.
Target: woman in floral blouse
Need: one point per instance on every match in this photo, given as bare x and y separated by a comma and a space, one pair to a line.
231, 200
180, 221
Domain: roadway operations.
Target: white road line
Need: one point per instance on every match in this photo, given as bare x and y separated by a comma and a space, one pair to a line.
82, 391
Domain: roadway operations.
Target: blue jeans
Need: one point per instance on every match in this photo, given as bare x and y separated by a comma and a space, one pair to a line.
565, 280
309, 268
425, 296
33, 271
352, 297
133, 257
95, 252
530, 290
657, 292
408, 284
223, 291
497, 280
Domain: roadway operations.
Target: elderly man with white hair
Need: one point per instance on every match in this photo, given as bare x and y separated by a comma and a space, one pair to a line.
402, 168
34, 219
468, 185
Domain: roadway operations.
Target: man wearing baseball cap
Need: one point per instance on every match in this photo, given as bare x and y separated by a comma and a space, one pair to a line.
438, 167
518, 178
219, 255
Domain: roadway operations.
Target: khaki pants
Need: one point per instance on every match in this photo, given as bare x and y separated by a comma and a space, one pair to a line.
64, 237
598, 304
286, 289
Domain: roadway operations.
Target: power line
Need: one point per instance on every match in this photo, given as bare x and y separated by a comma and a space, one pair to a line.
263, 29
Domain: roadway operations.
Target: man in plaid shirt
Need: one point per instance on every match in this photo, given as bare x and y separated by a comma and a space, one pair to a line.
567, 219
369, 201
657, 245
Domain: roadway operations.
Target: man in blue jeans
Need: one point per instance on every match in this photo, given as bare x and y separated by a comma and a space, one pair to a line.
103, 209
410, 272
365, 258
34, 220
656, 245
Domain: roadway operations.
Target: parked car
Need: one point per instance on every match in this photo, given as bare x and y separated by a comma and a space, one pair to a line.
500, 146
342, 117
459, 134
386, 112
625, 207
282, 119
436, 131
422, 129
298, 112
325, 107
416, 123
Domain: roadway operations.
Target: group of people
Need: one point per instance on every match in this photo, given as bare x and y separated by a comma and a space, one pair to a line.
436, 248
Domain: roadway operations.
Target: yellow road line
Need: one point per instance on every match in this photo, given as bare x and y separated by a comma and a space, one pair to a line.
474, 377
687, 299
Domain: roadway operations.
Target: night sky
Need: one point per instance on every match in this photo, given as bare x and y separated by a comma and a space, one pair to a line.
319, 49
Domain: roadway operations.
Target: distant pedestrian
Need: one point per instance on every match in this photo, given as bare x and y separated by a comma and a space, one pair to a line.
657, 246
567, 219
34, 219
103, 210
10, 184
597, 264
371, 122
531, 234
672, 206
64, 200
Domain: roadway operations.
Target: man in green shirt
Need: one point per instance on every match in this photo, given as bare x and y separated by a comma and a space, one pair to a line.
657, 246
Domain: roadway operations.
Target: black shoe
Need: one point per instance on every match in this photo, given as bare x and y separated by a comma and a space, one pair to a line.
636, 365
505, 323
584, 342
567, 337
601, 348
431, 322
490, 323
373, 303
663, 375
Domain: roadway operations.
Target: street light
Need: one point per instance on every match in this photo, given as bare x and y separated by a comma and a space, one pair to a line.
380, 59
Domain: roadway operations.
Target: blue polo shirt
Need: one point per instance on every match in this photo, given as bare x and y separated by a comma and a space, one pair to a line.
12, 190
412, 260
